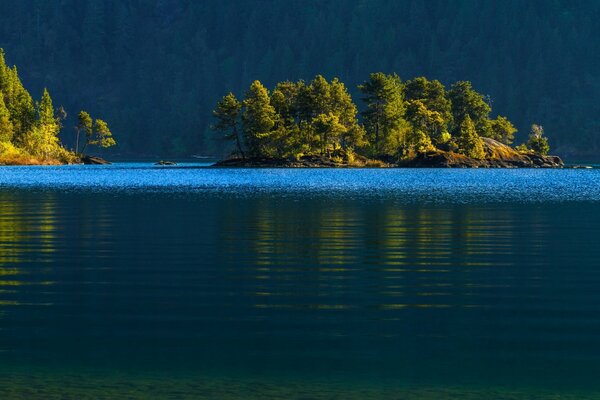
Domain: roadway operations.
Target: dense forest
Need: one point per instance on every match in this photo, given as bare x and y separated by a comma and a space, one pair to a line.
155, 68
29, 130
400, 120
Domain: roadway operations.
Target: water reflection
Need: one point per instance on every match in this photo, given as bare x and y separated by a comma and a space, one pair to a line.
28, 236
317, 283
402, 256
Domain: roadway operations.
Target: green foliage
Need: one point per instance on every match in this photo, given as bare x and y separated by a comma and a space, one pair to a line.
227, 113
432, 94
502, 130
384, 116
536, 61
258, 120
467, 102
319, 118
328, 130
429, 122
6, 127
537, 142
102, 136
29, 132
97, 133
467, 140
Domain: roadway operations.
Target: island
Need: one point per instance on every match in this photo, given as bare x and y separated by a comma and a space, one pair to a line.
29, 131
416, 123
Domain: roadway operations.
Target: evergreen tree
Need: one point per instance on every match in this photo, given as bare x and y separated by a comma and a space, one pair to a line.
468, 141
537, 142
102, 137
430, 123
20, 105
467, 102
97, 132
85, 125
502, 130
383, 118
42, 139
329, 131
227, 113
258, 120
342, 106
6, 127
432, 94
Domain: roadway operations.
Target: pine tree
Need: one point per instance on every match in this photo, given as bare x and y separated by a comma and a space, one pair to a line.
432, 94
502, 130
19, 103
385, 109
85, 125
467, 102
329, 130
258, 120
97, 133
42, 139
431, 123
537, 142
228, 113
468, 141
6, 127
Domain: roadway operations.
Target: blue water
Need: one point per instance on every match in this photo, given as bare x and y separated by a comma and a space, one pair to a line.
197, 282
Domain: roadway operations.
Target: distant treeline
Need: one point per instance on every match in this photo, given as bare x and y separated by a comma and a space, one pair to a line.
399, 120
155, 68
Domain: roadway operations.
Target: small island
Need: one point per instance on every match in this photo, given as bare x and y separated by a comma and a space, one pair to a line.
417, 123
29, 131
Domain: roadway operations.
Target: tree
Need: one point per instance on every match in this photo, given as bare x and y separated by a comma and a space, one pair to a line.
258, 120
102, 136
468, 141
227, 113
467, 102
20, 105
6, 127
385, 108
97, 132
429, 122
502, 130
85, 125
537, 142
432, 94
329, 130
42, 139
342, 106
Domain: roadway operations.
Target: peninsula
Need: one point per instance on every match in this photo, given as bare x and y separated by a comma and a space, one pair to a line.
29, 131
417, 123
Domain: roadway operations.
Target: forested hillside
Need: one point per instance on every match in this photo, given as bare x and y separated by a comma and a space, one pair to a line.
155, 68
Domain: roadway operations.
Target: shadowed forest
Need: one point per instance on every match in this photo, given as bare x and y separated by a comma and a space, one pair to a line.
155, 68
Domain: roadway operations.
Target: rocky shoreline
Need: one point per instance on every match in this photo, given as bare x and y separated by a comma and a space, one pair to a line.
498, 155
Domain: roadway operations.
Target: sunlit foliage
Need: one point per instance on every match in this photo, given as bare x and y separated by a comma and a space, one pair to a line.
29, 132
399, 120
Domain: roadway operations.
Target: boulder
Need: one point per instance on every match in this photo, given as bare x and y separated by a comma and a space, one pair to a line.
90, 160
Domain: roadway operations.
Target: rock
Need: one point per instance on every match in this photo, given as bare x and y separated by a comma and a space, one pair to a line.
498, 155
89, 160
161, 162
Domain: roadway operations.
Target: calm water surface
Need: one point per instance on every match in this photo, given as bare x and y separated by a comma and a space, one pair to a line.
134, 281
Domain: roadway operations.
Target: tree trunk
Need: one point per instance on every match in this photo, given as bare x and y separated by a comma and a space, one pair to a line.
238, 143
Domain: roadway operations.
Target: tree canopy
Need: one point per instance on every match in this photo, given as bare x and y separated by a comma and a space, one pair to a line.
399, 120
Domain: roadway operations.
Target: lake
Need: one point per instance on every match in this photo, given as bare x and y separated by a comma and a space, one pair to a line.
135, 281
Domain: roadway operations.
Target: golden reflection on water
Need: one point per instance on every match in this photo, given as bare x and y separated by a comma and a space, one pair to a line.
395, 253
28, 234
